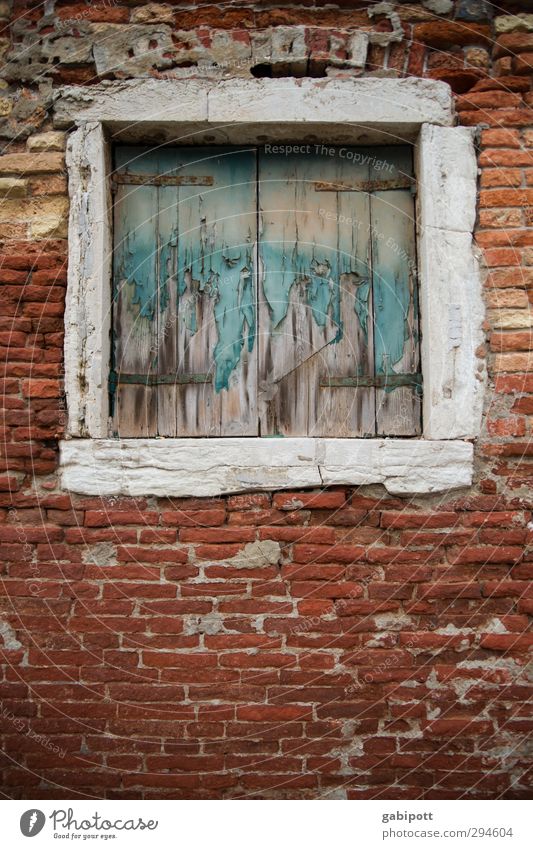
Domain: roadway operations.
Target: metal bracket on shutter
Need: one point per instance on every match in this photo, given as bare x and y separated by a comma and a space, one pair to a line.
367, 185
155, 379
388, 382
125, 179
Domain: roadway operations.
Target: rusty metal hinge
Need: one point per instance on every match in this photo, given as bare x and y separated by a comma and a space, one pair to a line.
366, 185
121, 378
125, 179
387, 382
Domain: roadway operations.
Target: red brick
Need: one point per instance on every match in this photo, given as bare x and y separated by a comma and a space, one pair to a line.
218, 535
99, 12
106, 518
499, 138
508, 426
501, 256
40, 388
327, 554
139, 554
487, 99
418, 520
194, 518
441, 33
511, 341
512, 43
524, 405
328, 499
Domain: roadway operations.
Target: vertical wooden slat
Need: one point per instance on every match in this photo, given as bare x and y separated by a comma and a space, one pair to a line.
135, 303
395, 310
167, 268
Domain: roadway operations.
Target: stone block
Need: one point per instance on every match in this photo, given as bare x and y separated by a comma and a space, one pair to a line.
522, 22
53, 140
153, 13
11, 187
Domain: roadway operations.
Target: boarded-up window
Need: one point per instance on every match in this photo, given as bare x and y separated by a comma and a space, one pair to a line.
264, 292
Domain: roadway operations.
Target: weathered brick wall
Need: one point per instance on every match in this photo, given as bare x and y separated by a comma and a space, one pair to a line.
301, 644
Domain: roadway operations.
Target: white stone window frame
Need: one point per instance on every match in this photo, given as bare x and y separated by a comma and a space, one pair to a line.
354, 111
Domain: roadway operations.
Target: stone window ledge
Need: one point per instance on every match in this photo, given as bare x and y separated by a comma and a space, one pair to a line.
209, 467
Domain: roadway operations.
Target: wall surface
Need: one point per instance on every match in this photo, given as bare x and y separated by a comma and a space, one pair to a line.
337, 643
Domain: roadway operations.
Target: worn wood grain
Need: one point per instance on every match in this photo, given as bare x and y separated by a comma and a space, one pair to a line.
135, 304
395, 310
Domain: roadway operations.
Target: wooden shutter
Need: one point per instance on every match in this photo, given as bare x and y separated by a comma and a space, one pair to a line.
314, 335
184, 292
338, 353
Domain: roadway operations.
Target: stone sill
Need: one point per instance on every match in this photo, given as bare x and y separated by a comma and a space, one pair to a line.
210, 467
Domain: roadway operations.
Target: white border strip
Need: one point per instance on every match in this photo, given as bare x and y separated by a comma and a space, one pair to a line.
208, 467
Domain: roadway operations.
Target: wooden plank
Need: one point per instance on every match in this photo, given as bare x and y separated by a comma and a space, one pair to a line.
167, 277
134, 305
217, 298
395, 310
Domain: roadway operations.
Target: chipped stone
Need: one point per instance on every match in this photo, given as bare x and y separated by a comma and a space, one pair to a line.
522, 22
211, 623
25, 163
33, 208
256, 554
477, 57
439, 7
9, 637
511, 319
495, 626
53, 140
100, 554
54, 227
11, 187
385, 38
134, 50
6, 106
153, 13
186, 467
392, 621
473, 10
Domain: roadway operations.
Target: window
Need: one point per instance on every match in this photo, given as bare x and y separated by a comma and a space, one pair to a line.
252, 114
264, 291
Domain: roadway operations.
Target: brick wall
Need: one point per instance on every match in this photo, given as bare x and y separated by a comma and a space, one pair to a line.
296, 645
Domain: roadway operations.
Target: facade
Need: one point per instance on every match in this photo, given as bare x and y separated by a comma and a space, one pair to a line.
226, 598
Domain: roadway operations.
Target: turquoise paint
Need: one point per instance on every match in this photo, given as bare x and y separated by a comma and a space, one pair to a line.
312, 266
361, 299
393, 293
135, 253
166, 274
215, 258
391, 307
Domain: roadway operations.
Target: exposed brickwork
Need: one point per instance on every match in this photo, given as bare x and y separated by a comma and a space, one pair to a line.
291, 645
